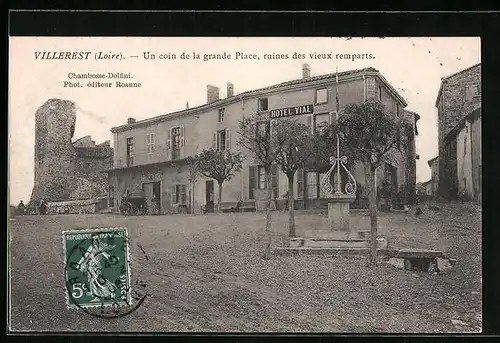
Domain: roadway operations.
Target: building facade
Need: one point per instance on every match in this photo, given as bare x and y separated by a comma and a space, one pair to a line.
150, 155
458, 95
66, 170
466, 138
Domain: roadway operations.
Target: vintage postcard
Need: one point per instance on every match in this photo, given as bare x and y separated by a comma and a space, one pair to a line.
256, 184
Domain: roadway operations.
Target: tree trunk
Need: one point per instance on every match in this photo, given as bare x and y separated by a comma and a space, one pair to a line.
267, 253
291, 210
192, 200
372, 201
220, 196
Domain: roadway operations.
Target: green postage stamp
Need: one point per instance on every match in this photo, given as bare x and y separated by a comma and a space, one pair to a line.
97, 268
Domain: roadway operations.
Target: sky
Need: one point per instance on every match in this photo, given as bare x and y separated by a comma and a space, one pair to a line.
413, 65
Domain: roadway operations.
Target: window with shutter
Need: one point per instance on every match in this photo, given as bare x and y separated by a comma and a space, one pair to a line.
275, 181
176, 143
214, 141
221, 140
251, 181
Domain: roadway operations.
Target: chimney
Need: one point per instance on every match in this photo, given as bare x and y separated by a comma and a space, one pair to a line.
187, 105
230, 90
306, 71
212, 94
130, 120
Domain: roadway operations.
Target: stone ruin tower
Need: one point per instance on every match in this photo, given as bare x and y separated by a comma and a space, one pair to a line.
65, 170
54, 154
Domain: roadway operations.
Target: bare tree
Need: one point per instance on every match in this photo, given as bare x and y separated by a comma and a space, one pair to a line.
294, 138
218, 165
368, 134
254, 136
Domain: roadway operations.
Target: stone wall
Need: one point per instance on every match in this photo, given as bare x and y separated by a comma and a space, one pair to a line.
74, 207
452, 106
63, 172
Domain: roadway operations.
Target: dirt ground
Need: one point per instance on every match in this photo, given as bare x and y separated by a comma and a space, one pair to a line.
204, 273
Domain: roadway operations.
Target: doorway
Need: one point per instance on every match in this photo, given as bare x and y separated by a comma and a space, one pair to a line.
209, 196
152, 190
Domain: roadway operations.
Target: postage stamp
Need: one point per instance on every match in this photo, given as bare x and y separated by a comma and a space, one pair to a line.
97, 268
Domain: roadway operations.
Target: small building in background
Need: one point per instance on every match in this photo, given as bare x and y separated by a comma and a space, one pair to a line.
434, 181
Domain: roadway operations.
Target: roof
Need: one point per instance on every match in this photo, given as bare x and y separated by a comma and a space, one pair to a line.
444, 79
425, 183
432, 160
472, 116
341, 75
149, 165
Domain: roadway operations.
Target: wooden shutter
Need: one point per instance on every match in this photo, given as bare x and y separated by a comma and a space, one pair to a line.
169, 144
309, 122
333, 117
181, 142
275, 181
172, 195
214, 141
183, 195
251, 181
181, 138
228, 139
300, 183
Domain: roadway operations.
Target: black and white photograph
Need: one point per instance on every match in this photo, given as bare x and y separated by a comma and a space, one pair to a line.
245, 185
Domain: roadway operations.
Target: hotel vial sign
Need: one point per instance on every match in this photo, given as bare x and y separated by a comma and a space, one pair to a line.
291, 111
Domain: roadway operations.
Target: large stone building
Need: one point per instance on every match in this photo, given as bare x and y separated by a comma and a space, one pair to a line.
458, 95
66, 170
150, 154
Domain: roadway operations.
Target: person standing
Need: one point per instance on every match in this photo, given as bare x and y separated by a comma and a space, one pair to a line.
43, 207
21, 208
154, 205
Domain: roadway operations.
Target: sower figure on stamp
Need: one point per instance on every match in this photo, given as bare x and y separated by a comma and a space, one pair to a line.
90, 265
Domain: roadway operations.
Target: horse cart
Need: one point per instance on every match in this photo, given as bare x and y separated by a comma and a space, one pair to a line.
134, 204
